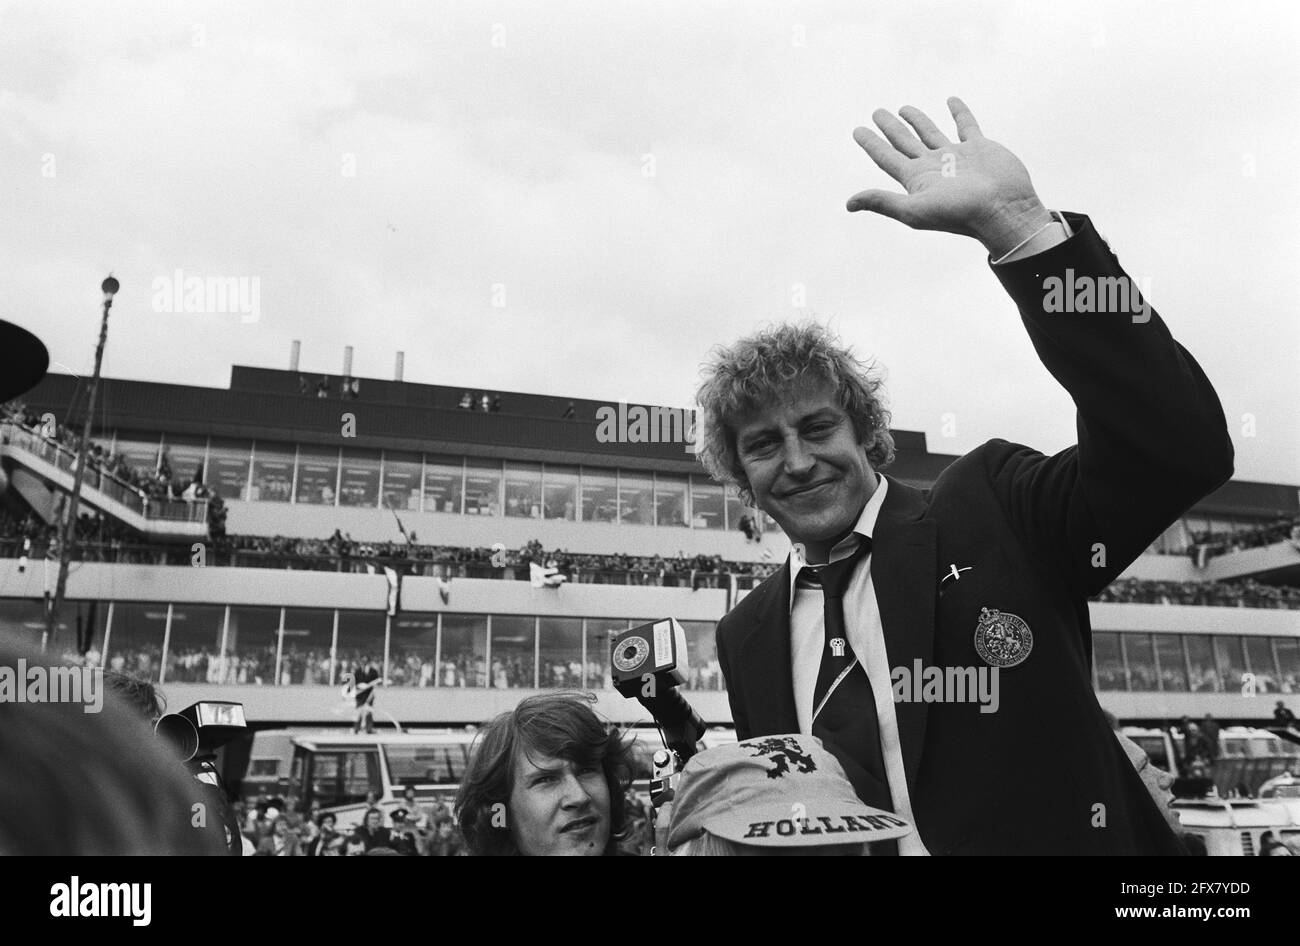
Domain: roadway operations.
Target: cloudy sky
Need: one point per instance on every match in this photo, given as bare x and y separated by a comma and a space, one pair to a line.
581, 199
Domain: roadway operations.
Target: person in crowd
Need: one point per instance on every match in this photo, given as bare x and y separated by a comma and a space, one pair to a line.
1210, 732
365, 678
771, 796
1283, 716
282, 842
148, 703
417, 814
798, 424
467, 401
328, 841
446, 840
1159, 783
407, 840
1272, 846
78, 783
546, 778
371, 832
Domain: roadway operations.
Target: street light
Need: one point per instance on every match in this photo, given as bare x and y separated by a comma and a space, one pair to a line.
68, 522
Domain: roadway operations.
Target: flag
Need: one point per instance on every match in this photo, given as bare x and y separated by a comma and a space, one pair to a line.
394, 590
444, 590
549, 577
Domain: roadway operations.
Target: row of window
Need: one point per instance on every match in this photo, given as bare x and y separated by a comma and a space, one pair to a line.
184, 643
345, 476
1196, 663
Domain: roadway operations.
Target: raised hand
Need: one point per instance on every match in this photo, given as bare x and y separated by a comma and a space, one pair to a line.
975, 188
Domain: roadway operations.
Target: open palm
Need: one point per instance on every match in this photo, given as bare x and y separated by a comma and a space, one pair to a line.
975, 188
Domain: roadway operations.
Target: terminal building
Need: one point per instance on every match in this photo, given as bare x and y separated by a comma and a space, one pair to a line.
394, 466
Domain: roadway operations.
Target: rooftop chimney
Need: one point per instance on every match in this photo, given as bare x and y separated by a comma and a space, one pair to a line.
347, 361
294, 351
397, 371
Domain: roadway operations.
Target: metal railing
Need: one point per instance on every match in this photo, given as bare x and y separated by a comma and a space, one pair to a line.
141, 554
118, 490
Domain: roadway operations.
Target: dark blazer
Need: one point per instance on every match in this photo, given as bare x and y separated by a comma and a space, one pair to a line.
1043, 774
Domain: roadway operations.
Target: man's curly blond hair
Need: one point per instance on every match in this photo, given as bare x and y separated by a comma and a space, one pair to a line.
762, 369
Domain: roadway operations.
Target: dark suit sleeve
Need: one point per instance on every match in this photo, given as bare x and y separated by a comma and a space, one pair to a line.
734, 696
1152, 439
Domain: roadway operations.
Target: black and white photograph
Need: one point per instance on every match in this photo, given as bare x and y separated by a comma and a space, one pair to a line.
451, 429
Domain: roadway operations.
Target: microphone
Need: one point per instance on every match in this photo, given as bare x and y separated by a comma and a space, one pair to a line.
644, 665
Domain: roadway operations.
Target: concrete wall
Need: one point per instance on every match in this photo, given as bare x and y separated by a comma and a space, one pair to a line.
1163, 568
1252, 561
415, 706
266, 586
1192, 619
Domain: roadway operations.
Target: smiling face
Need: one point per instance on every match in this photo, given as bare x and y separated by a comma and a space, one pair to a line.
558, 807
806, 467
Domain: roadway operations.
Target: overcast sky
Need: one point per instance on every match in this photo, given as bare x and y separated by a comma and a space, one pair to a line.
639, 182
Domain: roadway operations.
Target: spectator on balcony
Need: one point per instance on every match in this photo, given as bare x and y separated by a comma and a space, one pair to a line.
1283, 717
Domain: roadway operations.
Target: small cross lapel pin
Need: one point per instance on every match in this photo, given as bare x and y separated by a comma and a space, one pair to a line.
954, 572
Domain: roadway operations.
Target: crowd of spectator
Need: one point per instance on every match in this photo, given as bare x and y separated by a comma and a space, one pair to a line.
1247, 593
158, 483
91, 528
341, 551
279, 827
1206, 545
102, 538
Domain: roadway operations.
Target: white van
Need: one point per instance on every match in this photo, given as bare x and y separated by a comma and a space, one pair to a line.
339, 771
1233, 827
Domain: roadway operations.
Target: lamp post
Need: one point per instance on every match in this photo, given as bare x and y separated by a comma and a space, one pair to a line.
68, 521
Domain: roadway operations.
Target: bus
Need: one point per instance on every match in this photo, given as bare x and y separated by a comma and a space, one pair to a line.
339, 771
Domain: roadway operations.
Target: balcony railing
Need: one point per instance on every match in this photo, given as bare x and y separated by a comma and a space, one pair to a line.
110, 486
136, 554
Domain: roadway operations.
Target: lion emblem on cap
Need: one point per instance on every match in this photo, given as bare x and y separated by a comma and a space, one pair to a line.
783, 752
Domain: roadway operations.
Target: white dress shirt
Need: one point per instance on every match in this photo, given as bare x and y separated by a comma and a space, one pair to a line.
867, 638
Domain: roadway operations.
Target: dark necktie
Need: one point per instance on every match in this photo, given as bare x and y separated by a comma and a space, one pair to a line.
844, 705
